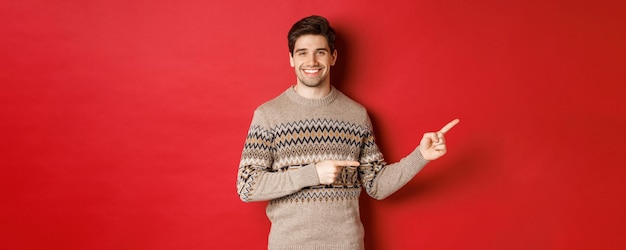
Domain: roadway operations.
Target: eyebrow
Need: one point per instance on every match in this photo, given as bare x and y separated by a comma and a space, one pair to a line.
318, 49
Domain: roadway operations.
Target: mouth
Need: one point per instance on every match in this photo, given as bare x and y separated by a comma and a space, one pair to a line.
311, 71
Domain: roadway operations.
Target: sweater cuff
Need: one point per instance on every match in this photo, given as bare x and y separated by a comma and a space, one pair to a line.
306, 176
416, 159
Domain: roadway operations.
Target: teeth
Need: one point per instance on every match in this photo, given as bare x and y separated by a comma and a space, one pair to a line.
310, 71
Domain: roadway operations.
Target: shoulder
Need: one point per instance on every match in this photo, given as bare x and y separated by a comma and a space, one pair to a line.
348, 104
265, 112
345, 100
275, 102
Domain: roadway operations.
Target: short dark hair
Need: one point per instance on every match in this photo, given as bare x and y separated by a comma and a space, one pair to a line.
312, 25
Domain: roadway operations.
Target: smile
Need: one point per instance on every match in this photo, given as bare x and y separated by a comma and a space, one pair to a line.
311, 71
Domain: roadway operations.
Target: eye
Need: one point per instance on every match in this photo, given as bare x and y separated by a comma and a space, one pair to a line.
301, 53
321, 52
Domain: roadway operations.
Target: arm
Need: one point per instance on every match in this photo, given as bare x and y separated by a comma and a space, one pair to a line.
256, 180
381, 180
257, 183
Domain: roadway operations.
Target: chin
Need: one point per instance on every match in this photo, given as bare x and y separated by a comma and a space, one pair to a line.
311, 84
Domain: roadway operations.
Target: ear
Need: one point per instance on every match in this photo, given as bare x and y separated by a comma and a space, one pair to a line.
334, 59
291, 60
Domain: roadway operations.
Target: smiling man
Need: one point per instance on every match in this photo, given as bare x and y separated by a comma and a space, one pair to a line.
311, 150
311, 60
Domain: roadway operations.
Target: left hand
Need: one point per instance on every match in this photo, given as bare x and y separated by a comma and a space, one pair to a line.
433, 144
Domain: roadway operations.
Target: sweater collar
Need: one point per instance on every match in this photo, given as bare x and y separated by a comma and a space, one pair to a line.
295, 97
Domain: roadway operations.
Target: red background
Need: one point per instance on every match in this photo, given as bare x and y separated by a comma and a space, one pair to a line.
122, 122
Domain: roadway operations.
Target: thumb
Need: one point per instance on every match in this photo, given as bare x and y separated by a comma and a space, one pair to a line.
428, 139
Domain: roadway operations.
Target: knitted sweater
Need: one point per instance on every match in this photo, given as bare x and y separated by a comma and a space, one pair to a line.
288, 135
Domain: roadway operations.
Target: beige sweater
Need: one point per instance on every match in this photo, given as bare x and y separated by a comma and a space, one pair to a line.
288, 135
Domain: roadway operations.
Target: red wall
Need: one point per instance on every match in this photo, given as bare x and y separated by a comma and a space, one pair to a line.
122, 122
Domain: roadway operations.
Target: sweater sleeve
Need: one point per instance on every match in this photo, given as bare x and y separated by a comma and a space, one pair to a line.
256, 179
381, 179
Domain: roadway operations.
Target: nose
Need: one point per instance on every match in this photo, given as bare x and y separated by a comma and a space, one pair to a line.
312, 59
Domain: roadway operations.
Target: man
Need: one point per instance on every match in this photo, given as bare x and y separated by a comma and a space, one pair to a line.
311, 150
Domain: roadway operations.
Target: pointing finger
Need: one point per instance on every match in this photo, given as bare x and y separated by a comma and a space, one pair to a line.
348, 163
449, 126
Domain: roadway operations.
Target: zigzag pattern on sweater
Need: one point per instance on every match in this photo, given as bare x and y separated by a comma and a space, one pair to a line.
299, 143
307, 141
315, 140
258, 149
325, 194
319, 131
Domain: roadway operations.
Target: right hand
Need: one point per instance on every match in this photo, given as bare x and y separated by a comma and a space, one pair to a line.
433, 144
328, 170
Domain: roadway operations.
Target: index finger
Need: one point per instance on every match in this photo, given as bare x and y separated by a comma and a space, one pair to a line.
348, 163
449, 126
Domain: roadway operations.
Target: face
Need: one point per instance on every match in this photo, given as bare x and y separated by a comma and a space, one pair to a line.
311, 60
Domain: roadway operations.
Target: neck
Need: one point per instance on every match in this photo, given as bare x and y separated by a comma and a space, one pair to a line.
312, 92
